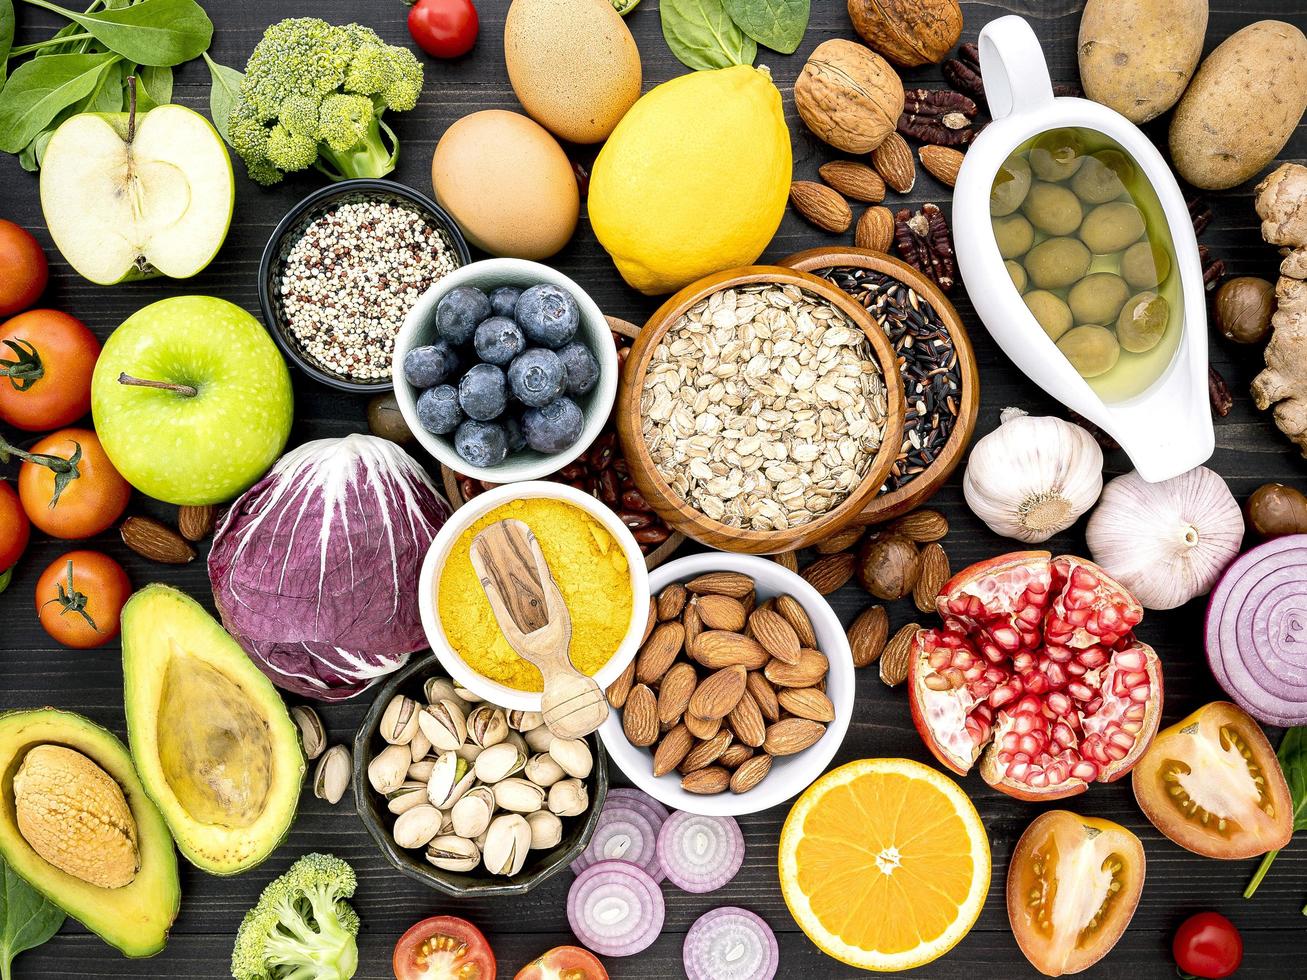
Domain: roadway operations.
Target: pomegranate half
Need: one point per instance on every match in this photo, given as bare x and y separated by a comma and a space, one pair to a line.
1036, 672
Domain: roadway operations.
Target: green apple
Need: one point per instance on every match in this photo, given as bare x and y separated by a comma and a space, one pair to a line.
127, 196
191, 400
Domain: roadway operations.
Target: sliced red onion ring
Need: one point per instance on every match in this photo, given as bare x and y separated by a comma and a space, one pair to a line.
1257, 631
622, 833
698, 853
639, 799
615, 909
730, 943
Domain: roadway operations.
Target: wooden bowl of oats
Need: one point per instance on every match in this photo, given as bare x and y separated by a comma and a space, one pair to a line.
760, 410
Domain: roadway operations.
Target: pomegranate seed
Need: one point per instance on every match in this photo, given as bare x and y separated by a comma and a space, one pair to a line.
995, 674
1055, 674
1003, 694
1085, 770
1091, 707
1059, 654
1011, 740
1019, 770
1135, 712
1038, 779
1031, 744
1064, 736
1139, 695
1130, 659
1080, 690
1122, 739
976, 670
1082, 578
1007, 638
1023, 662
938, 658
1076, 669
955, 676
1078, 617
1092, 658
1036, 683
1029, 614
1058, 703
1116, 752
937, 683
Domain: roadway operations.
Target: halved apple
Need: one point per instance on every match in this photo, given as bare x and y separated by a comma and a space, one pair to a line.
124, 203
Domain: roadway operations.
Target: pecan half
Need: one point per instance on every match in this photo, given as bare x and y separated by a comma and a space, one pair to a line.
1200, 213
923, 241
1213, 268
963, 72
937, 116
1218, 392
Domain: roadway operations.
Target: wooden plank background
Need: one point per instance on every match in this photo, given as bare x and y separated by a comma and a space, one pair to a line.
34, 671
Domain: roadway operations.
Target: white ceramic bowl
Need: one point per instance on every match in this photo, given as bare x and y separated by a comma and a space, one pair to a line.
790, 774
419, 328
469, 514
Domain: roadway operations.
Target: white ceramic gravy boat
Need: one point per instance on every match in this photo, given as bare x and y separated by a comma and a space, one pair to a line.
1167, 429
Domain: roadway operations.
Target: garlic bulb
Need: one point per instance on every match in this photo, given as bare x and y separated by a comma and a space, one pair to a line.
1166, 542
1032, 477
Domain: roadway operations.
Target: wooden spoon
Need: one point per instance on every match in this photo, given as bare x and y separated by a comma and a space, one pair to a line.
535, 621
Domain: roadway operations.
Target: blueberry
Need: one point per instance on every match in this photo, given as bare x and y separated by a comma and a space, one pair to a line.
481, 443
438, 410
426, 367
553, 428
504, 300
458, 313
548, 315
536, 377
482, 393
513, 430
581, 367
498, 340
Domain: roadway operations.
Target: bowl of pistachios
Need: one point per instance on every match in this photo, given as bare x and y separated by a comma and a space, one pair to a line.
468, 797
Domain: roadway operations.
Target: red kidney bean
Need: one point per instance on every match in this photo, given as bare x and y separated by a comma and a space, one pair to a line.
652, 535
467, 487
605, 448
634, 500
608, 489
635, 520
572, 471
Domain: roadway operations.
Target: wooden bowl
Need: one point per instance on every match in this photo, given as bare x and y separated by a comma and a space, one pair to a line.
654, 558
666, 502
915, 493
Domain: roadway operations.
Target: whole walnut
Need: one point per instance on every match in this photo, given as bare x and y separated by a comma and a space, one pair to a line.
908, 32
888, 565
849, 96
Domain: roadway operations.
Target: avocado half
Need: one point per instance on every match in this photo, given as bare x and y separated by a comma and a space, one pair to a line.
213, 742
135, 918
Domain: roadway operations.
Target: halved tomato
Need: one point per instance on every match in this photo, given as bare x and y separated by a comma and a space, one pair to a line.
564, 963
1213, 785
443, 947
1072, 887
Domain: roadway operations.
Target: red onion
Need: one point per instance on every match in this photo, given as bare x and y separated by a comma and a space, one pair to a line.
1257, 631
615, 908
730, 944
622, 833
640, 800
699, 853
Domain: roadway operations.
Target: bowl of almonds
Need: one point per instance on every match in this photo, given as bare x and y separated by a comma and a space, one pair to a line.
741, 692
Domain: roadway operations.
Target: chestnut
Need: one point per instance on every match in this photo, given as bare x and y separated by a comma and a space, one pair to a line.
1275, 510
1243, 309
888, 565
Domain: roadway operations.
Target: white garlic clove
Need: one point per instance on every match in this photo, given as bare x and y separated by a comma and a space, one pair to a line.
499, 762
388, 768
507, 842
451, 853
546, 830
313, 736
417, 827
568, 798
573, 754
444, 725
543, 770
487, 726
519, 795
331, 778
399, 722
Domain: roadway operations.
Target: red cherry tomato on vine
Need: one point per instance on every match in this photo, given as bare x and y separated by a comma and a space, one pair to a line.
67, 485
23, 269
80, 599
1207, 945
15, 528
443, 28
46, 362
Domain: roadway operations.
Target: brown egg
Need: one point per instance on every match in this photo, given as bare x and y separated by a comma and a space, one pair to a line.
507, 183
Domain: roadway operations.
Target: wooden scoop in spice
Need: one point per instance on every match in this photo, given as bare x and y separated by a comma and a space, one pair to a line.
534, 619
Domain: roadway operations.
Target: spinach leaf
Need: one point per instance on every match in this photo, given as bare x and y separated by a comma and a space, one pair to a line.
702, 35
777, 24
152, 32
106, 97
27, 918
42, 87
224, 94
6, 35
1293, 760
153, 88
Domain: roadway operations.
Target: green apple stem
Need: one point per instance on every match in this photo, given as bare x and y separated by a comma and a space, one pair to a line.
131, 109
186, 391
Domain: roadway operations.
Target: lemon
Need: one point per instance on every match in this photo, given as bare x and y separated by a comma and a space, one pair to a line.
694, 179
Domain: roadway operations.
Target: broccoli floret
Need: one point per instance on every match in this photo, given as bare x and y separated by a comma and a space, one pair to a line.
308, 81
302, 928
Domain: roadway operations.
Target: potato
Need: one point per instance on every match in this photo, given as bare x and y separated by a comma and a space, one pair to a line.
1136, 56
1242, 106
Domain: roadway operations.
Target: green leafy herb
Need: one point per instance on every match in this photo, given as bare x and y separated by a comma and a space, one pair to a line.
777, 24
1293, 760
153, 88
6, 35
702, 35
224, 94
41, 88
5, 577
152, 32
27, 918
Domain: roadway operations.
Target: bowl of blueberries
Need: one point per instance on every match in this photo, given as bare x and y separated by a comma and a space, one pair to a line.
505, 370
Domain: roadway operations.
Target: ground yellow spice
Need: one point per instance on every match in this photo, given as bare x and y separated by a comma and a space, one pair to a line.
592, 573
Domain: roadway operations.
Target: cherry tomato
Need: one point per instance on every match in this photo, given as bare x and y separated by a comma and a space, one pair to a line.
80, 598
47, 358
569, 962
443, 947
443, 28
1208, 945
15, 528
68, 487
23, 270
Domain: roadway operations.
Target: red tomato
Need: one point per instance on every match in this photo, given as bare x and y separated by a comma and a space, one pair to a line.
443, 28
80, 502
48, 358
564, 963
80, 598
1208, 945
15, 528
23, 270
441, 947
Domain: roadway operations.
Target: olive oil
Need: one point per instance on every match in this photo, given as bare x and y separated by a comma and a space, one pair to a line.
1086, 242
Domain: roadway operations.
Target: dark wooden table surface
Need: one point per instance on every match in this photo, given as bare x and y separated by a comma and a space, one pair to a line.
34, 671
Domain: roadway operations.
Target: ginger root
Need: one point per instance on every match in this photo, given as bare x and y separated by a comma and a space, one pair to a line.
1282, 206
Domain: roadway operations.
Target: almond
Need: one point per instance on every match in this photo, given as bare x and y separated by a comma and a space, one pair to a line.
893, 161
716, 649
671, 601
775, 634
867, 635
829, 573
854, 180
921, 525
650, 622
674, 693
898, 653
794, 614
195, 521
875, 230
706, 752
807, 702
810, 669
824, 207
721, 612
703, 728
718, 693
841, 540
736, 755
750, 773
620, 689
674, 747
733, 584
762, 692
934, 573
745, 720
659, 652
640, 717
787, 559
156, 541
791, 735
706, 782
749, 600
942, 162
693, 625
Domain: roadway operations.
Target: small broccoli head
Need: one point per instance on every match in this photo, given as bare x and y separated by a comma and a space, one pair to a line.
344, 121
290, 151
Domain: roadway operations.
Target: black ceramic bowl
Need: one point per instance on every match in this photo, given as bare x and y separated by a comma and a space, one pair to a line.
288, 231
378, 820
